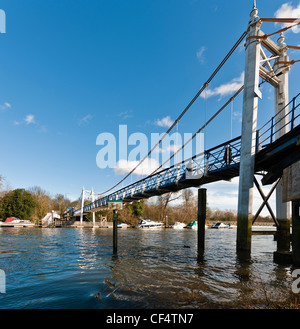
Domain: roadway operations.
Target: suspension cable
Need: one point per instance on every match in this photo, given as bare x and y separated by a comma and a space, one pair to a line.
185, 110
203, 127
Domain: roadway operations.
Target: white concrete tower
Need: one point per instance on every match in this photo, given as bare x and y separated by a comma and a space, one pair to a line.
249, 123
93, 199
282, 127
82, 205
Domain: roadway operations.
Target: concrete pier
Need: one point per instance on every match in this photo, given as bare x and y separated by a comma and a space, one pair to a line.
283, 254
250, 103
296, 232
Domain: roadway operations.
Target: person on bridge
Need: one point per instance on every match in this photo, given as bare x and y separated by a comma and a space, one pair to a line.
227, 155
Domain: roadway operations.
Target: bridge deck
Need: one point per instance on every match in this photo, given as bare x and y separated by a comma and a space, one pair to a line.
271, 157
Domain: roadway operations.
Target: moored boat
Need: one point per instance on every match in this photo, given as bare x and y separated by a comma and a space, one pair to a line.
220, 225
178, 225
192, 225
148, 223
122, 225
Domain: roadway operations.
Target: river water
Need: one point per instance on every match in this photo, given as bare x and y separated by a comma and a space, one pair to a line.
72, 268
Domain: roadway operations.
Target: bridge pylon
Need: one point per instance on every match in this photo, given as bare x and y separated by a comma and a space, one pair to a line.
257, 64
249, 125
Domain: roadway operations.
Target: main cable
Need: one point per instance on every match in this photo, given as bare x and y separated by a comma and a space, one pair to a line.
203, 127
185, 110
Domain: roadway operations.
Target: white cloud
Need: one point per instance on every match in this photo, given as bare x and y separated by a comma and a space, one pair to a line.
5, 106
226, 89
85, 120
164, 122
29, 119
125, 115
288, 11
200, 54
173, 147
145, 168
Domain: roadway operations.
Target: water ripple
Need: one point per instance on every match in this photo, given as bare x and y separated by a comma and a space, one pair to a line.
75, 268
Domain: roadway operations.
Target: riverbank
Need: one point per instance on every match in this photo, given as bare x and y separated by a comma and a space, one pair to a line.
77, 224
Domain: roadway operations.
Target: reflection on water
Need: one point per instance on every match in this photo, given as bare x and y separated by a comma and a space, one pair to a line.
75, 268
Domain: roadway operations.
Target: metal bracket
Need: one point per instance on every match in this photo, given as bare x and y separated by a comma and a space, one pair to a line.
265, 201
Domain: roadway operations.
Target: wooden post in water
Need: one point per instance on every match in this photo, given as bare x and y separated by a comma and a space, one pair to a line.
201, 219
115, 231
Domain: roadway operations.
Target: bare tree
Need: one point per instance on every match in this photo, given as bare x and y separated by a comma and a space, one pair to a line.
42, 200
164, 201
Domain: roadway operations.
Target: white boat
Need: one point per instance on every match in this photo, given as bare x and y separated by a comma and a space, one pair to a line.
122, 225
220, 225
178, 226
148, 223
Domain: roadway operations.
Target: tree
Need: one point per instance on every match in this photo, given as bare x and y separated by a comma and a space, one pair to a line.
188, 197
17, 203
163, 201
138, 208
61, 203
42, 201
4, 186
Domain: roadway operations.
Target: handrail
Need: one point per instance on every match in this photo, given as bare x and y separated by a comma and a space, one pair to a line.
272, 125
202, 163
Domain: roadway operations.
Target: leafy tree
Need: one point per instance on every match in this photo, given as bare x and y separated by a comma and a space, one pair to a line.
17, 203
138, 208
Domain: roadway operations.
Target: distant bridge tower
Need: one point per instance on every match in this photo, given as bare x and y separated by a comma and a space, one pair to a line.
87, 195
278, 78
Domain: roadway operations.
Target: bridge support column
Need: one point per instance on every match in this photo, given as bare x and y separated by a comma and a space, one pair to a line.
296, 232
82, 205
201, 219
283, 255
93, 213
249, 122
281, 128
115, 231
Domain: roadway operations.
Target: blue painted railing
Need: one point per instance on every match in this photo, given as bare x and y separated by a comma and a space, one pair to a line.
290, 115
219, 158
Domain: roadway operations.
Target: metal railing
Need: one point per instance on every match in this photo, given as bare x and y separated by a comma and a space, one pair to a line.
221, 157
200, 165
285, 120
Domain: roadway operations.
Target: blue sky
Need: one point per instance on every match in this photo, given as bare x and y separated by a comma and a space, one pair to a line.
71, 70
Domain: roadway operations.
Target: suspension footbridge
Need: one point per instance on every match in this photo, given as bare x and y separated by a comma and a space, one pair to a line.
268, 150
